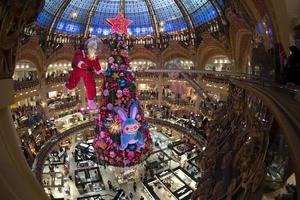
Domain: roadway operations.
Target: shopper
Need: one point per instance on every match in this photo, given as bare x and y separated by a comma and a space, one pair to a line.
134, 186
292, 68
110, 185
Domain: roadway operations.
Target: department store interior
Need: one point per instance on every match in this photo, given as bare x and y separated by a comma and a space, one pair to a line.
216, 85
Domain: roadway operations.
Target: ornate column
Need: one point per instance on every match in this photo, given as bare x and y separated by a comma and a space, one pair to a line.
198, 100
160, 84
160, 89
43, 94
16, 179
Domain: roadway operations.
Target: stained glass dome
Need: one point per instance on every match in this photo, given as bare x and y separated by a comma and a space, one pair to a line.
149, 17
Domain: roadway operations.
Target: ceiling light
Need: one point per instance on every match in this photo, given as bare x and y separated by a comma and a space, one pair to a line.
73, 14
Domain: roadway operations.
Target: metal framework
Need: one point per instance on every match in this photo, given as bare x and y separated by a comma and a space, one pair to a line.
58, 15
153, 17
122, 7
218, 8
90, 16
186, 15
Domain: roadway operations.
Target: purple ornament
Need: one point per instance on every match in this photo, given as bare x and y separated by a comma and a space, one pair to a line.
105, 92
114, 66
110, 106
123, 67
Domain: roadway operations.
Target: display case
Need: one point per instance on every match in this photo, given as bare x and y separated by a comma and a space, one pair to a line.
186, 178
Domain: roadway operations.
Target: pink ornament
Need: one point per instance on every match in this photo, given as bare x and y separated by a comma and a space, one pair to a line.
102, 134
105, 92
119, 93
112, 154
110, 106
126, 92
111, 60
130, 155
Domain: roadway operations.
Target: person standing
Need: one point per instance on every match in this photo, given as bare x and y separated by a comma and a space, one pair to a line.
292, 67
109, 185
134, 186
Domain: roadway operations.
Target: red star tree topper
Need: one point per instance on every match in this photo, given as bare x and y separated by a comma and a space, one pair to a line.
119, 23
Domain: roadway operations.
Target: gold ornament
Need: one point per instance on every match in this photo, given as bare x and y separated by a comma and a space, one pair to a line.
115, 75
115, 127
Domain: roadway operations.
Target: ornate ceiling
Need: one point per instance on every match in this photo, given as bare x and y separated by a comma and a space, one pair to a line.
150, 17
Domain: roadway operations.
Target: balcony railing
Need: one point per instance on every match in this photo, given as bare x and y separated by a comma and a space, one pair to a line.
64, 105
23, 85
56, 80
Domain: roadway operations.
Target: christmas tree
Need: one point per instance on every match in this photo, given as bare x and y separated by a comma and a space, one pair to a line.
122, 134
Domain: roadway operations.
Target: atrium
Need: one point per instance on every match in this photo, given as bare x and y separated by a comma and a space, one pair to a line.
150, 99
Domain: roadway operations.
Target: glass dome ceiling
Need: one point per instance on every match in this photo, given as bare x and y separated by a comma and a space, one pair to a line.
79, 17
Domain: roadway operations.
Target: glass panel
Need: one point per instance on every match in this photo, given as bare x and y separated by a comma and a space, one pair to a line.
168, 12
74, 17
46, 16
44, 19
193, 5
105, 9
138, 12
204, 14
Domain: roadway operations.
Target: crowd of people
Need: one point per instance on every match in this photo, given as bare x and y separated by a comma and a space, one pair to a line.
148, 94
25, 83
190, 120
56, 77
59, 103
27, 115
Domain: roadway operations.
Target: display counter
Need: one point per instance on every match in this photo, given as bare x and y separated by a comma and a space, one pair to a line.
169, 185
53, 180
84, 151
69, 121
185, 178
88, 180
155, 190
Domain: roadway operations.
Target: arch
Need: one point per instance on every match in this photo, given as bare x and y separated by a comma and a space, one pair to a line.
140, 52
208, 48
65, 53
240, 37
175, 50
32, 52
